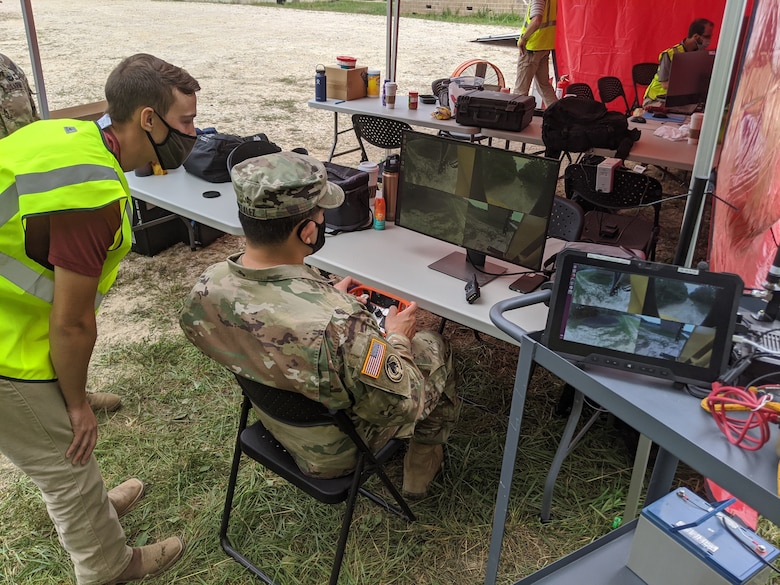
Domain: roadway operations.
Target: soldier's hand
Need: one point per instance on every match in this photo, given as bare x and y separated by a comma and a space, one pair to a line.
404, 322
346, 283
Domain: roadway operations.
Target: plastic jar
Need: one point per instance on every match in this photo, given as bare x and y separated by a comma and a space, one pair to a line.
372, 89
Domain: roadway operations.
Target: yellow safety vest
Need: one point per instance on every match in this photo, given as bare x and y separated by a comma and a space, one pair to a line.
75, 171
655, 89
543, 38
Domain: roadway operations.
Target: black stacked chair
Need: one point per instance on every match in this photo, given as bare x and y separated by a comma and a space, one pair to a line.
381, 132
610, 89
580, 90
642, 75
257, 443
630, 190
566, 220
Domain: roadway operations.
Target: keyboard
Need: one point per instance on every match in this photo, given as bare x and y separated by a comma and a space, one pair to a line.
687, 110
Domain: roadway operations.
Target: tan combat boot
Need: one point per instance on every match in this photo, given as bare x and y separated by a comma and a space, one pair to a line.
421, 464
126, 495
107, 401
151, 560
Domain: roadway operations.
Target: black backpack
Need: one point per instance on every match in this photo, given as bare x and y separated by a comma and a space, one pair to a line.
575, 124
208, 159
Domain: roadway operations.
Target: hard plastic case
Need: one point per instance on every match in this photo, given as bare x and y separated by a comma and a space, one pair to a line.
493, 109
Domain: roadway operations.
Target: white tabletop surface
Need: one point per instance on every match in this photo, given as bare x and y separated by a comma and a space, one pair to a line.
373, 106
396, 260
182, 193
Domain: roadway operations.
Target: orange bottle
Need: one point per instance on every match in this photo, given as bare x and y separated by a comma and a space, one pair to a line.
379, 211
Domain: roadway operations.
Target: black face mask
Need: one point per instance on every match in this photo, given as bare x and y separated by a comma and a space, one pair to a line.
176, 147
320, 241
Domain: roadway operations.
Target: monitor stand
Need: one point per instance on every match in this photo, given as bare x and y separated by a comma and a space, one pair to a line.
462, 265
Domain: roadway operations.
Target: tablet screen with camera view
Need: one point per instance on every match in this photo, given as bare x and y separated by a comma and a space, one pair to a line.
643, 317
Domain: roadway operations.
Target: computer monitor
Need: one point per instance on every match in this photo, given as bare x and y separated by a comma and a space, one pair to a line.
689, 78
492, 202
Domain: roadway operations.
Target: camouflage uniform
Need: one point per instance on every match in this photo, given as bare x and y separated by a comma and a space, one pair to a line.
289, 328
17, 107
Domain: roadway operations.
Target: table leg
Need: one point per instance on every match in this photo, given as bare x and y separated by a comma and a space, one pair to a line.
637, 478
525, 363
663, 474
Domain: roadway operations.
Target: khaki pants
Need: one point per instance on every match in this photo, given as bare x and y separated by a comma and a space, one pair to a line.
35, 434
534, 65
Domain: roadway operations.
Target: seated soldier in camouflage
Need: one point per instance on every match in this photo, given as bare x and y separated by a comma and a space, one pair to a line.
267, 316
17, 107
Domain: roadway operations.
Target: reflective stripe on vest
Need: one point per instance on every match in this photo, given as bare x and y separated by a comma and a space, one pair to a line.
543, 38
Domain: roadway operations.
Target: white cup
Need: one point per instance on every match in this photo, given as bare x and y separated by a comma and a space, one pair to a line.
694, 128
372, 169
390, 90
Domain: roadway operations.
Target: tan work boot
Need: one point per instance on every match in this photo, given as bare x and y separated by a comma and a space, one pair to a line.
421, 464
107, 401
151, 560
126, 495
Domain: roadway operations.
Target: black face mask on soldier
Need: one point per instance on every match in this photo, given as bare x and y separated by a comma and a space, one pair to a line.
174, 150
320, 241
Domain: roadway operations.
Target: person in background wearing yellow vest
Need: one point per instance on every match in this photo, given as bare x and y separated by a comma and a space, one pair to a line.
64, 227
699, 36
537, 39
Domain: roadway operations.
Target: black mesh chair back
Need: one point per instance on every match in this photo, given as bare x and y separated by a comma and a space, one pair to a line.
580, 90
566, 220
381, 132
630, 190
250, 149
257, 443
610, 89
642, 75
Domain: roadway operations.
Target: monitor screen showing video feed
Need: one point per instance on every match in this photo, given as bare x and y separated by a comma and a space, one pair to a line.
491, 201
654, 319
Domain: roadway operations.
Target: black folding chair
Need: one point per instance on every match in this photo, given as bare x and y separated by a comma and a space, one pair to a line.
257, 443
642, 75
610, 89
381, 132
580, 90
630, 190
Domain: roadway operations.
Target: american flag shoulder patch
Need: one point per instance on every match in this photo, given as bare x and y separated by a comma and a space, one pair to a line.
375, 356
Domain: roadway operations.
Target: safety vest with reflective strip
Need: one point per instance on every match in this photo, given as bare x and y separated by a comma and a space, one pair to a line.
543, 38
75, 171
655, 89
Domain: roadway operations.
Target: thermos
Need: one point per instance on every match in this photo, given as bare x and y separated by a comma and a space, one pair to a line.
390, 184
320, 84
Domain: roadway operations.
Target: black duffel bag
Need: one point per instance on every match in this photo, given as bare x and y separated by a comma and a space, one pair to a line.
208, 159
355, 213
575, 124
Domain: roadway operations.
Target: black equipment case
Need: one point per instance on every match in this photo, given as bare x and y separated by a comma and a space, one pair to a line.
355, 213
493, 109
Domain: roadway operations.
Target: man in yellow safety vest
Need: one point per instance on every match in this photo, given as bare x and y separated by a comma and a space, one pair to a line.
64, 227
699, 36
537, 39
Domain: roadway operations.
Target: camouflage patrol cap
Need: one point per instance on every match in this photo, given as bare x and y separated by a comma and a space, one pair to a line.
283, 184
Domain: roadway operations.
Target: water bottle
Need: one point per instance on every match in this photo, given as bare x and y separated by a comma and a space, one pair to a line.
320, 84
390, 185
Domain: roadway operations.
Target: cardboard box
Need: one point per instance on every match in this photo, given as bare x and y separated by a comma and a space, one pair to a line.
346, 84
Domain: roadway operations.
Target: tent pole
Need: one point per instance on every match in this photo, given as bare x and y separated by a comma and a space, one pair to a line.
725, 57
35, 59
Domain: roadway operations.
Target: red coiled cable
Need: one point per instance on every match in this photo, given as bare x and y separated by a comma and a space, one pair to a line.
743, 415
